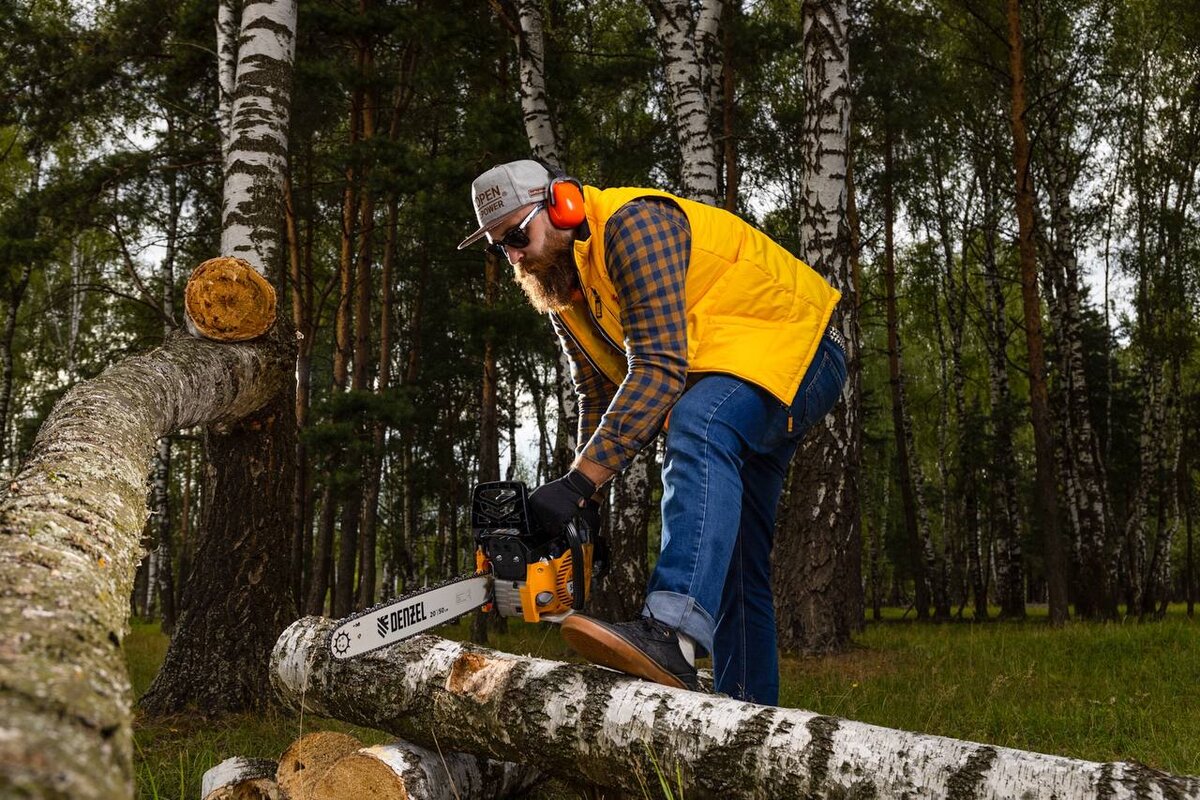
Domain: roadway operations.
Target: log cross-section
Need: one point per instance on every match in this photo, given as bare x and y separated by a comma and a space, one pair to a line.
590, 724
70, 524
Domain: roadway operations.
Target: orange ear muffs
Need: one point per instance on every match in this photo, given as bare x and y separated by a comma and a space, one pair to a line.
566, 203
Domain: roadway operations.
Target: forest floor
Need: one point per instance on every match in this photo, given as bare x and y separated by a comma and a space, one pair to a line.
1113, 691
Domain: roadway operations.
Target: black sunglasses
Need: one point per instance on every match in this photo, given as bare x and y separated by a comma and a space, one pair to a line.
516, 236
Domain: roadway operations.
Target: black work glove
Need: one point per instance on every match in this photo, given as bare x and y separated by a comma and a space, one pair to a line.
556, 503
591, 517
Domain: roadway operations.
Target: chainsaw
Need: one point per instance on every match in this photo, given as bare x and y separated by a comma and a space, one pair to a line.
520, 570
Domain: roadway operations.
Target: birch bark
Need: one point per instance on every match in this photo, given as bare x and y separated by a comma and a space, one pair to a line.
238, 595
688, 41
820, 594
70, 524
585, 722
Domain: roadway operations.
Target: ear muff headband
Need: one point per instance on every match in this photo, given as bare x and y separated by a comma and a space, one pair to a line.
565, 206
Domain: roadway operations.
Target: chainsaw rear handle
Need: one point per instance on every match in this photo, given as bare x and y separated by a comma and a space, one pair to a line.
578, 567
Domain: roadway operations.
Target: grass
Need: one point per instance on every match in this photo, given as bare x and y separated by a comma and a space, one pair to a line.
1114, 691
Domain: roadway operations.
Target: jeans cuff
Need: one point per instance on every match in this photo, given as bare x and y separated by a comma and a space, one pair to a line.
684, 614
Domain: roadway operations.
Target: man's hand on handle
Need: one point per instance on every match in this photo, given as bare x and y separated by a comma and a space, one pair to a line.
556, 503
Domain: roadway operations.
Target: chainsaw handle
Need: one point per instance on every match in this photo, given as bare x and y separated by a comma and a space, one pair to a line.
577, 567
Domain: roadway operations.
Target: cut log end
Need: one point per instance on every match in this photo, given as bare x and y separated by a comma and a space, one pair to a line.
308, 758
363, 774
228, 301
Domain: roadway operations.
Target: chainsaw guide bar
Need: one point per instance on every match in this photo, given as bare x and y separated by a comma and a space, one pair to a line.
414, 613
521, 570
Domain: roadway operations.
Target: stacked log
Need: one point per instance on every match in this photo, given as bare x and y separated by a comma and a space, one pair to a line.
404, 771
327, 765
241, 779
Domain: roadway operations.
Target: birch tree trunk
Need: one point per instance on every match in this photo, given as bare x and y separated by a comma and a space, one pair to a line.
1098, 544
926, 572
820, 594
70, 525
164, 581
238, 596
535, 106
585, 722
688, 40
356, 277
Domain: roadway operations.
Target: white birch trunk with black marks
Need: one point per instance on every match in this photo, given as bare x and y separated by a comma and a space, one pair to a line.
621, 593
819, 596
1010, 571
531, 53
586, 723
238, 595
255, 152
227, 53
240, 778
1084, 476
70, 529
688, 44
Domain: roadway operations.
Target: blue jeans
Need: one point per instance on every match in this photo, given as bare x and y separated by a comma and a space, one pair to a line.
727, 453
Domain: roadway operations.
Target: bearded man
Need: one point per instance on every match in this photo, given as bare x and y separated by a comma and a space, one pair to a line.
665, 307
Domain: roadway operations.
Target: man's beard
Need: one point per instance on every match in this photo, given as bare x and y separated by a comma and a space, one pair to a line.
550, 280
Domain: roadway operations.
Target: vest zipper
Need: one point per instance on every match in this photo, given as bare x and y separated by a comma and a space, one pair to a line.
597, 311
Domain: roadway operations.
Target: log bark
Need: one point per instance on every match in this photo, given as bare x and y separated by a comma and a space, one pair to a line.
241, 779
586, 723
404, 771
70, 524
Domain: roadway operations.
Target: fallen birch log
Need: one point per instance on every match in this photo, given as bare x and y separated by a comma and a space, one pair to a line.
70, 529
405, 771
241, 779
584, 722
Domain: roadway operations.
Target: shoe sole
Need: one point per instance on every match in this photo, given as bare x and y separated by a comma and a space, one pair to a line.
601, 646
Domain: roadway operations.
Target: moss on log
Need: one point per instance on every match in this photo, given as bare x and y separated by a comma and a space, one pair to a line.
70, 525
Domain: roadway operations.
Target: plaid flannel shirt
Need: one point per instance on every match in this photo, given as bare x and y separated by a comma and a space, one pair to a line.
646, 253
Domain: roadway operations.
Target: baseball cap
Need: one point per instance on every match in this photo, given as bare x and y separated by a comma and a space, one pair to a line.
503, 189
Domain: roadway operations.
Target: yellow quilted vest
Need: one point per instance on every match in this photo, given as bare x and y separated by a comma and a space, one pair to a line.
753, 309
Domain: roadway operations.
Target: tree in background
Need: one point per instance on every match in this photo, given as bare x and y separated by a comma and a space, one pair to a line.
818, 552
237, 598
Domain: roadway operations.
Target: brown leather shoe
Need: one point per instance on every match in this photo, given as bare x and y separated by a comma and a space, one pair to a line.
645, 648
